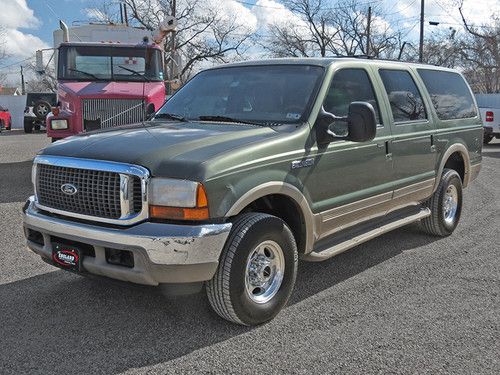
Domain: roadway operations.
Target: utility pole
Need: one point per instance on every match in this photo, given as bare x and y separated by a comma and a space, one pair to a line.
368, 31
23, 87
172, 49
421, 46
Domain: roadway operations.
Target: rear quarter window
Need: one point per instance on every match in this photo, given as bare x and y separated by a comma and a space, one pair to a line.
449, 93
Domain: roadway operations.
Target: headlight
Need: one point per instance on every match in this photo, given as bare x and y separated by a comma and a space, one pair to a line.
177, 199
59, 124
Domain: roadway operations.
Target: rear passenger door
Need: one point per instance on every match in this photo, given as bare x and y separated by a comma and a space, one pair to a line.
412, 147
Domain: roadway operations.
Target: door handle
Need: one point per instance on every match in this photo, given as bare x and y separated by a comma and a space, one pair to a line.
388, 156
381, 145
433, 148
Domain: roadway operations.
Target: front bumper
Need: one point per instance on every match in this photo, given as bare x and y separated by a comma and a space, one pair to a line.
163, 253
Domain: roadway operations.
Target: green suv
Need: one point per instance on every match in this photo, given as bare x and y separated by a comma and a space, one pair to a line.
251, 166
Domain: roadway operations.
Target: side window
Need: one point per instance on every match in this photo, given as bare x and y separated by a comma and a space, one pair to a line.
347, 86
450, 94
404, 97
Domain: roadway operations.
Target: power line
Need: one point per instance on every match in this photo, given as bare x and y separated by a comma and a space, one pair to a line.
15, 63
325, 8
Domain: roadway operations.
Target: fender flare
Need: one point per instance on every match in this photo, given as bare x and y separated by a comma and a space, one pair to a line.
462, 150
283, 188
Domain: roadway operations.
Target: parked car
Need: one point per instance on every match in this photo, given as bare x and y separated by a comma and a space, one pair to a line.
38, 106
5, 119
252, 165
491, 123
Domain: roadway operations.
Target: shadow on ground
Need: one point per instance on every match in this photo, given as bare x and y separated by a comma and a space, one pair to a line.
15, 181
59, 322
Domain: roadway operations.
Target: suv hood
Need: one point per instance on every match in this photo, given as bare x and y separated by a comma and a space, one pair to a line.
178, 150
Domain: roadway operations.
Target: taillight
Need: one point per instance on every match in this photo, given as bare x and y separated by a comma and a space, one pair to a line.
489, 116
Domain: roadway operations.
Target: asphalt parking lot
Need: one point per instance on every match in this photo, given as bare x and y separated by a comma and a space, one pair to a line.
402, 303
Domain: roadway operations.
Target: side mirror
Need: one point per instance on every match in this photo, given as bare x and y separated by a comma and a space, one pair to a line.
361, 124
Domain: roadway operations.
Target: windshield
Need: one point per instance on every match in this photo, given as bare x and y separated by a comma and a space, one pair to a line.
268, 94
109, 63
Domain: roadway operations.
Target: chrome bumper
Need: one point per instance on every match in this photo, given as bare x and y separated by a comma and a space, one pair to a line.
163, 253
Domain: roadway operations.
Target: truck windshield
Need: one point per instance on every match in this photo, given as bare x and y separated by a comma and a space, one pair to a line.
109, 63
267, 94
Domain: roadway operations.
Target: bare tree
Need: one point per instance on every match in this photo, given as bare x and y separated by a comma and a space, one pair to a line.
46, 82
442, 49
332, 30
481, 55
310, 34
203, 33
3, 53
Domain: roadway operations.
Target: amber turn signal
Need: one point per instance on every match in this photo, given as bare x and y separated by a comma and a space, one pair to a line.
200, 212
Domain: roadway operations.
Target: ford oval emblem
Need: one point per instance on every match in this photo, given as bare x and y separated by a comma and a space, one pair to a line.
69, 189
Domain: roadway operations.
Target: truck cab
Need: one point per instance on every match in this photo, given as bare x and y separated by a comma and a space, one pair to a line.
102, 85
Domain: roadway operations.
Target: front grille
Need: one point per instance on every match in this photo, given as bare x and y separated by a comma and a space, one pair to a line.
107, 113
98, 192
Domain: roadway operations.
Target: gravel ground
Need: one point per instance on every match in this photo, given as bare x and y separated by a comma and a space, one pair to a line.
402, 303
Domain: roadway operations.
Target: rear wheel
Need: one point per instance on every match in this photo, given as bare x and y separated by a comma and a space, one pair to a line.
256, 272
28, 125
9, 127
487, 139
445, 205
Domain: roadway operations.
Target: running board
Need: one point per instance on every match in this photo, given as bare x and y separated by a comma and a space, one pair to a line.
359, 238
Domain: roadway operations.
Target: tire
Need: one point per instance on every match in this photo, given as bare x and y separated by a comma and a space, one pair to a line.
254, 238
28, 125
487, 139
445, 205
41, 109
10, 125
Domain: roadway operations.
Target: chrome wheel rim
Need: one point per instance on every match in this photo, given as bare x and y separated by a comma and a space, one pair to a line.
264, 271
450, 204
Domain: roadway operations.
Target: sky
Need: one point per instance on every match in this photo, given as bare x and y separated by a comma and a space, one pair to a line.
28, 24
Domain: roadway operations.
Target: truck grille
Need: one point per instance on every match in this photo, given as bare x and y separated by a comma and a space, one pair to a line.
98, 192
107, 113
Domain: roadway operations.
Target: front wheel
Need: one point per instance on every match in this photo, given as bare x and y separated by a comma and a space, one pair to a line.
256, 272
445, 205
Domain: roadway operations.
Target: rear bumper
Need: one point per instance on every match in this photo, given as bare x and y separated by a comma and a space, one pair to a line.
163, 253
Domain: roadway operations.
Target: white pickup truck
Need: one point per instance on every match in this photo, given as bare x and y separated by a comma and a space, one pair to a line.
489, 108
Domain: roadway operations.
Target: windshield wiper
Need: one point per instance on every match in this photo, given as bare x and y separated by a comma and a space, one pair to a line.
171, 116
228, 119
83, 72
135, 73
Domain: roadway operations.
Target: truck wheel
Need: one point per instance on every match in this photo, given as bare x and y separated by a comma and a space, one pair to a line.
445, 205
487, 139
256, 272
10, 125
41, 109
28, 125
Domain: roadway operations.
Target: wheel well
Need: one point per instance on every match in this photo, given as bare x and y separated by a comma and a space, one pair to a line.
286, 209
456, 162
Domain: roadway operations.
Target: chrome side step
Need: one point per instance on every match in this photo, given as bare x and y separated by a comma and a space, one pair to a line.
359, 238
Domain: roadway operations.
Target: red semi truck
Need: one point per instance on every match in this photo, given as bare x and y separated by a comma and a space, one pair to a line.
105, 79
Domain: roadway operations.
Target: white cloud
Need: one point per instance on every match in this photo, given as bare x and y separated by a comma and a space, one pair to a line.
22, 45
95, 14
16, 14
